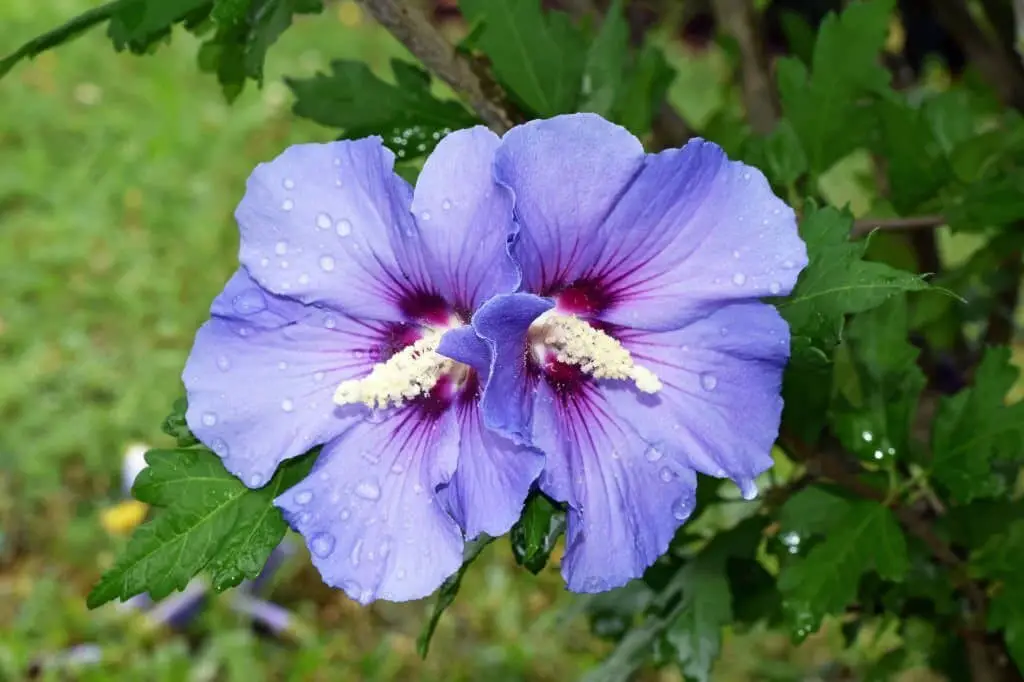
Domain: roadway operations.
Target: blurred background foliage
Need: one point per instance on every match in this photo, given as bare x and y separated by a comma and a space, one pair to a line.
118, 178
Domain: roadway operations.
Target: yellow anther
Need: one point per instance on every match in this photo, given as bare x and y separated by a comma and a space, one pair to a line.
409, 373
575, 342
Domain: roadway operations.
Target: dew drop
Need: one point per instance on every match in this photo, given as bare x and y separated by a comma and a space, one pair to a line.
220, 447
368, 490
282, 365
788, 264
417, 488
326, 263
708, 381
683, 507
739, 279
345, 514
400, 574
243, 331
209, 419
287, 405
288, 183
322, 544
319, 376
748, 489
305, 517
666, 475
284, 265
249, 302
305, 497
281, 248
223, 364
343, 228
330, 322
323, 221
303, 279
774, 287
356, 551
397, 468
735, 254
287, 205
746, 176
385, 549
867, 436
264, 262
255, 480
365, 597
446, 205
653, 454
425, 215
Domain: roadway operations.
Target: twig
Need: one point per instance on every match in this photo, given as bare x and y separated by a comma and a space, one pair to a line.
411, 27
739, 20
863, 226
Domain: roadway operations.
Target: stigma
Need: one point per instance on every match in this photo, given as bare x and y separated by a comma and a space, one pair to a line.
410, 373
576, 342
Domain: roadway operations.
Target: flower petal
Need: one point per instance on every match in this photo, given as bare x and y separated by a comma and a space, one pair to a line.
262, 373
494, 475
329, 223
504, 322
566, 174
464, 218
719, 408
369, 512
625, 500
694, 230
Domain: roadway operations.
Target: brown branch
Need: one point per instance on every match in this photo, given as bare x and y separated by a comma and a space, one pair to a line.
863, 226
411, 27
738, 19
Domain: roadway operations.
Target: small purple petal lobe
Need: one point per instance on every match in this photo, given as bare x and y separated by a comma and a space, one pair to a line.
464, 219
463, 345
330, 224
261, 377
369, 511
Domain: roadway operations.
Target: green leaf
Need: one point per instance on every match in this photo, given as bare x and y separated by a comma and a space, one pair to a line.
447, 592
643, 91
975, 428
813, 511
696, 634
70, 30
825, 581
246, 30
876, 423
837, 282
533, 537
407, 115
1000, 559
209, 521
825, 107
990, 202
176, 427
538, 56
1006, 613
974, 524
779, 154
917, 168
606, 62
806, 389
138, 24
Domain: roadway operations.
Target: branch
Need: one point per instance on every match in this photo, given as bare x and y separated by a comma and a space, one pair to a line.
411, 27
739, 21
863, 226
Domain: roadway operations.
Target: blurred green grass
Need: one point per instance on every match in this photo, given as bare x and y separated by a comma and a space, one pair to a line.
118, 179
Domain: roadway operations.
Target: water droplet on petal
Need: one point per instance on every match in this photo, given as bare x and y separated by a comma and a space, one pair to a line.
281, 248
255, 480
683, 507
323, 221
774, 287
735, 254
400, 574
345, 514
287, 405
666, 475
425, 215
220, 447
288, 183
282, 365
397, 468
365, 597
209, 419
356, 551
330, 322
249, 302
385, 549
708, 381
303, 497
653, 454
264, 262
223, 364
322, 544
303, 279
446, 205
319, 376
368, 490
739, 279
417, 488
287, 205
343, 228
788, 264
326, 263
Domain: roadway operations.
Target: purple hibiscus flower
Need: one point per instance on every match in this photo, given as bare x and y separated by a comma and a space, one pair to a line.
638, 352
329, 335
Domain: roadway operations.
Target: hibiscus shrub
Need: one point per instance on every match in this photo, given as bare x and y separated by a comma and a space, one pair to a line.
755, 370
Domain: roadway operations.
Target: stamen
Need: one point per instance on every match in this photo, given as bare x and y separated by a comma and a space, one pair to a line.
407, 374
575, 342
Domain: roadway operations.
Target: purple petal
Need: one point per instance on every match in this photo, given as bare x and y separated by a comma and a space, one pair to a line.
504, 322
463, 345
329, 223
719, 408
625, 499
694, 230
465, 218
369, 513
262, 374
566, 174
487, 492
